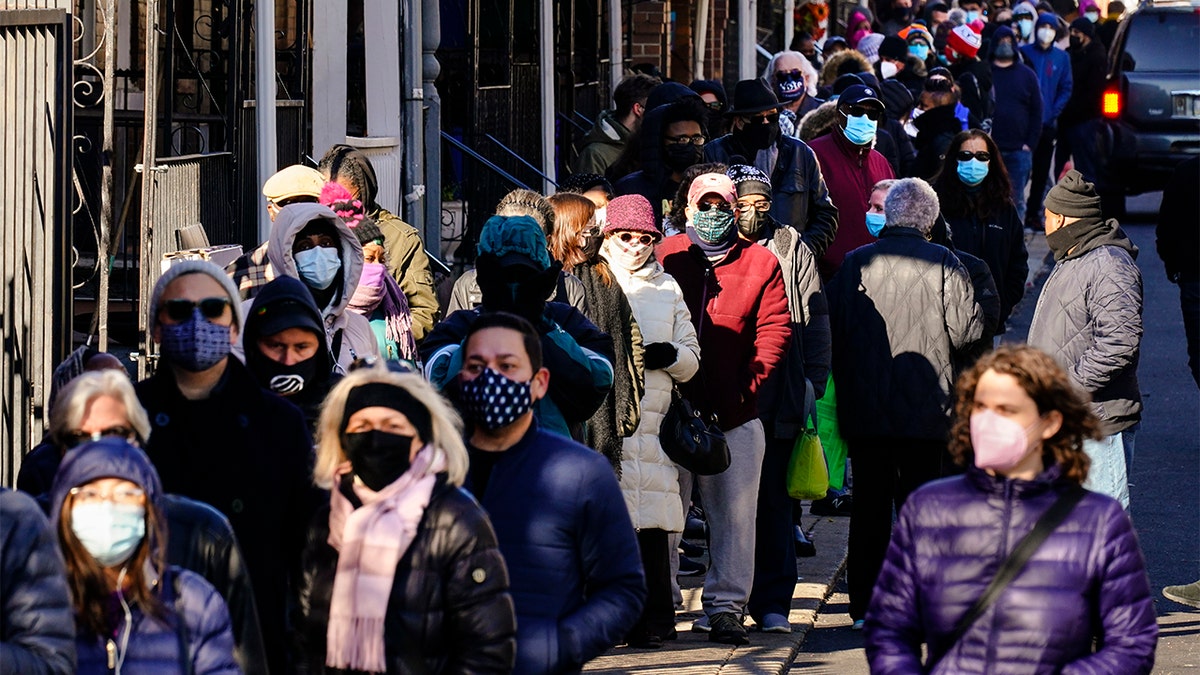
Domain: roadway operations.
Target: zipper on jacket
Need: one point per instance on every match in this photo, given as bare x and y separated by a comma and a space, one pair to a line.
110, 649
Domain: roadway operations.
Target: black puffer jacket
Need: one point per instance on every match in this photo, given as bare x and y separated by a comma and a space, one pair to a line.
37, 621
999, 240
450, 610
901, 309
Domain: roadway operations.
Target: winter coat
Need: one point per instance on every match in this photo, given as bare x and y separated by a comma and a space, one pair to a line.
565, 534
1176, 242
900, 310
409, 264
649, 479
999, 240
603, 144
1089, 67
781, 403
1017, 120
744, 326
799, 195
936, 128
194, 636
1053, 69
1089, 318
37, 619
851, 171
466, 293
349, 334
246, 452
449, 610
617, 417
1087, 582
578, 355
38, 467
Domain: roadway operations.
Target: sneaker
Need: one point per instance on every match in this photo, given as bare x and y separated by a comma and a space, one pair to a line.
775, 623
1188, 594
832, 505
726, 628
804, 546
644, 641
701, 625
690, 568
857, 625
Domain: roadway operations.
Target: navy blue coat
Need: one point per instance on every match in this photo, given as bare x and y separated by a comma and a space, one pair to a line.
566, 536
1086, 582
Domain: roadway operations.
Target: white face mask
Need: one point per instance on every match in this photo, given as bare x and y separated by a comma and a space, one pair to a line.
627, 256
1045, 35
888, 70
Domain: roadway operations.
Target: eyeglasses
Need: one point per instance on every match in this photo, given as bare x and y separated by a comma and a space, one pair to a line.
873, 114
698, 139
643, 239
182, 310
77, 438
761, 207
121, 495
794, 75
967, 155
705, 206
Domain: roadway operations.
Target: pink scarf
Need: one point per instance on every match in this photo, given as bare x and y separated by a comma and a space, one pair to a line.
370, 541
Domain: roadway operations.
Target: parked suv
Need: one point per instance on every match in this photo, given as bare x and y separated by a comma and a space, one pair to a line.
1152, 102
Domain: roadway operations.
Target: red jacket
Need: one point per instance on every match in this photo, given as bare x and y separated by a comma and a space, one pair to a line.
746, 326
850, 174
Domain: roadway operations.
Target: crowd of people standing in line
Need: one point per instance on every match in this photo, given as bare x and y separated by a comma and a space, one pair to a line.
324, 474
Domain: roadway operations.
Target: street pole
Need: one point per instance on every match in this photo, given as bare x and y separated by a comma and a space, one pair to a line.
546, 78
789, 23
699, 44
414, 116
431, 38
264, 104
106, 182
747, 39
616, 44
146, 265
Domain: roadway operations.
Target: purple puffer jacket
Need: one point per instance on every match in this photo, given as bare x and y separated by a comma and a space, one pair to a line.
1087, 581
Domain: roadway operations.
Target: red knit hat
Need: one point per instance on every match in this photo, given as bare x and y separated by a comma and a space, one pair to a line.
964, 41
630, 213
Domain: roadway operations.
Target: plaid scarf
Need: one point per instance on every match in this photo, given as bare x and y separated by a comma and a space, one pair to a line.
370, 541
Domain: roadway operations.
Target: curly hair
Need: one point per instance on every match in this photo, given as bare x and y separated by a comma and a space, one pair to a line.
1048, 385
992, 196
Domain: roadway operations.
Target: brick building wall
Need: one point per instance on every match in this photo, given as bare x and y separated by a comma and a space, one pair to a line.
651, 37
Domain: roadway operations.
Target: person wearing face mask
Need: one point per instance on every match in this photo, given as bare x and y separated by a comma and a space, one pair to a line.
1079, 124
783, 403
577, 580
599, 191
794, 80
1017, 122
936, 126
851, 166
649, 479
381, 300
901, 309
1089, 315
670, 140
920, 43
402, 568
1081, 603
799, 196
1024, 15
133, 611
218, 438
973, 77
311, 243
1053, 68
737, 298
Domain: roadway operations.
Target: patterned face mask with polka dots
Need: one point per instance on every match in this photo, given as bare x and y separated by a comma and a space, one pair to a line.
493, 401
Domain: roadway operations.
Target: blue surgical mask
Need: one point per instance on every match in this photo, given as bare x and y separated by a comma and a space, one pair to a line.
860, 130
1026, 26
713, 225
318, 266
1092, 16
109, 531
972, 172
875, 223
972, 15
919, 51
194, 345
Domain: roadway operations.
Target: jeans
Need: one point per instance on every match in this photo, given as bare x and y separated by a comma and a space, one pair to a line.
1111, 457
886, 471
730, 506
1018, 163
1043, 155
774, 547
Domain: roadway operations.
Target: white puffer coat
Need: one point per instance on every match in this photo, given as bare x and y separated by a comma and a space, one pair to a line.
649, 479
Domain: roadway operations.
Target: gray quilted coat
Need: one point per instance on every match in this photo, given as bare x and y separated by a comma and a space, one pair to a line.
1089, 318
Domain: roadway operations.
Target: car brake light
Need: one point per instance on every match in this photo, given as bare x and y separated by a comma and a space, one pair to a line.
1111, 106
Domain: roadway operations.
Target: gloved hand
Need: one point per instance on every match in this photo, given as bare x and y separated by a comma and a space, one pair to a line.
659, 355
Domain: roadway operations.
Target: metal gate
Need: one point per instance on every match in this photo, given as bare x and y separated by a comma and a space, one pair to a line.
35, 153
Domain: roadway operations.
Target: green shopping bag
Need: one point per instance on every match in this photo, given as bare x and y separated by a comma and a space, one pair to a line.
807, 474
831, 437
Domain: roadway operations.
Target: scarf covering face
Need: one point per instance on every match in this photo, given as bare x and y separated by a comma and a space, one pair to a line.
628, 257
378, 290
370, 541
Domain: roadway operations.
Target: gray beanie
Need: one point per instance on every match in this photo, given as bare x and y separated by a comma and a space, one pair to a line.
196, 267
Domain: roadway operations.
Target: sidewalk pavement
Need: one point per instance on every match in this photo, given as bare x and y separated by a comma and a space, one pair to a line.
693, 654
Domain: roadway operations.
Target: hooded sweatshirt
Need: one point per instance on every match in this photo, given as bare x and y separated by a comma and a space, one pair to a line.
349, 334
1017, 120
1053, 69
602, 145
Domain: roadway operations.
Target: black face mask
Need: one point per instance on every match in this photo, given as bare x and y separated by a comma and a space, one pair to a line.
756, 136
1076, 43
377, 457
591, 245
285, 380
679, 156
750, 224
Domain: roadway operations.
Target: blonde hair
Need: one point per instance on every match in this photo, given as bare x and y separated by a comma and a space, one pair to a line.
446, 424
73, 400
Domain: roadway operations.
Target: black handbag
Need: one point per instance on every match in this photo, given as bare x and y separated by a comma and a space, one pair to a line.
693, 441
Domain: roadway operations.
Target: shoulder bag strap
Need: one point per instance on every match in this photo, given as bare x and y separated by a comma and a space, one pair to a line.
1047, 523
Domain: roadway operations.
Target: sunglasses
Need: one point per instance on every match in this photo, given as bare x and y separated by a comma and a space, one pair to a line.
77, 438
182, 310
643, 239
705, 206
794, 75
873, 114
698, 139
966, 156
763, 119
761, 207
714, 106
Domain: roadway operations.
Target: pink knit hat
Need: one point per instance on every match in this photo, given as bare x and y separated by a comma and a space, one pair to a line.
630, 213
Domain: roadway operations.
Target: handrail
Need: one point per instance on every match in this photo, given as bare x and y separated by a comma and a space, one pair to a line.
572, 122
466, 150
590, 123
520, 159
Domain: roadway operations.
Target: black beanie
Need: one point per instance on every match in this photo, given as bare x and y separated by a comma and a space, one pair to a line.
894, 48
1074, 197
1083, 25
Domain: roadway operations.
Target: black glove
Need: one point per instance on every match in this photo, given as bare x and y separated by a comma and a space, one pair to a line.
658, 355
